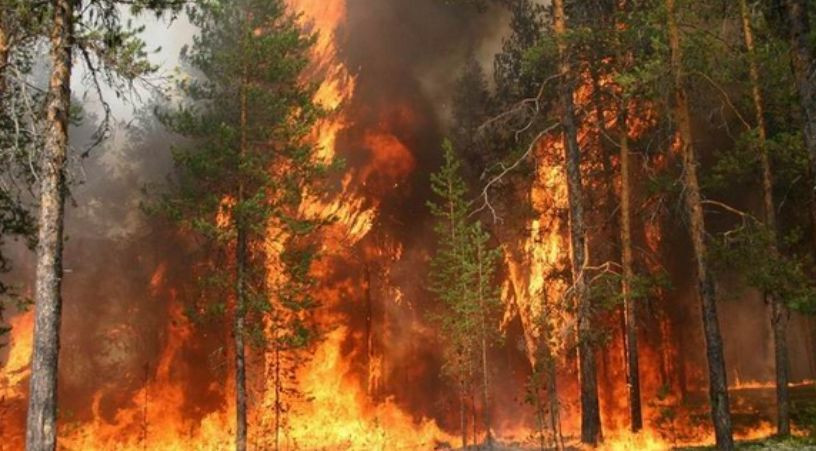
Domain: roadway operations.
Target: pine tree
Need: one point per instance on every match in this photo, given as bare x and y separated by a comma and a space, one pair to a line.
718, 386
590, 409
804, 71
243, 181
622, 63
463, 279
448, 280
20, 27
779, 313
110, 50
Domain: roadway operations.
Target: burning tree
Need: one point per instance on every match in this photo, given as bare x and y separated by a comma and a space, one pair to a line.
242, 181
113, 54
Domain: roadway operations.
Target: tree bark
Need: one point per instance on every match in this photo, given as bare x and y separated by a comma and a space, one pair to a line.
41, 427
485, 373
630, 330
804, 68
779, 313
5, 53
590, 410
629, 305
554, 403
718, 385
240, 368
462, 402
278, 393
240, 293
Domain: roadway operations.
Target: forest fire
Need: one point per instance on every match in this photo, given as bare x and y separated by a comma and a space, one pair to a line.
376, 369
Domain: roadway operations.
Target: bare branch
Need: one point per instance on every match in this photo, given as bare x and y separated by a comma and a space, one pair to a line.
725, 97
485, 194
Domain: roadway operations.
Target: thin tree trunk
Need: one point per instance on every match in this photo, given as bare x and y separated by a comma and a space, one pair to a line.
462, 402
590, 410
462, 352
804, 70
554, 407
630, 329
473, 414
240, 368
278, 393
240, 296
778, 311
5, 52
629, 305
718, 386
485, 375
539, 410
41, 427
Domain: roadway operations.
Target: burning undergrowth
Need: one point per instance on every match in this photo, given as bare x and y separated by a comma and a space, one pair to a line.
138, 373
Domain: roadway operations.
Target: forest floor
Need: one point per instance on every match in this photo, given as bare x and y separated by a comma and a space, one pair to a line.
751, 408
768, 444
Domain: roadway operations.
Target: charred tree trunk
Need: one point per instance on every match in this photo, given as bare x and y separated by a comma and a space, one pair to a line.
630, 329
590, 410
718, 386
41, 427
629, 306
779, 313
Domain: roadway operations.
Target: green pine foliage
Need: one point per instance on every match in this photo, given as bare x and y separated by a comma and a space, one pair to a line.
19, 140
463, 272
246, 163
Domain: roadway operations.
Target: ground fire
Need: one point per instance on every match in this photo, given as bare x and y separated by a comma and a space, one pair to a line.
504, 204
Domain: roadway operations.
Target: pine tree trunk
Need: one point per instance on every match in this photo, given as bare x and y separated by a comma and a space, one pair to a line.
462, 403
5, 52
630, 329
240, 295
804, 70
718, 386
590, 410
778, 311
554, 407
485, 374
240, 363
278, 393
629, 305
41, 428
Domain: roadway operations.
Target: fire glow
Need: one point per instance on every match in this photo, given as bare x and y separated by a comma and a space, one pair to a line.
344, 405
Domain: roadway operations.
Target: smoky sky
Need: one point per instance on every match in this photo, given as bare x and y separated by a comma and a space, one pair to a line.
406, 57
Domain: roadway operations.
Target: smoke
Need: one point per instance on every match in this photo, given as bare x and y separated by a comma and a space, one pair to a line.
112, 318
405, 56
123, 267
